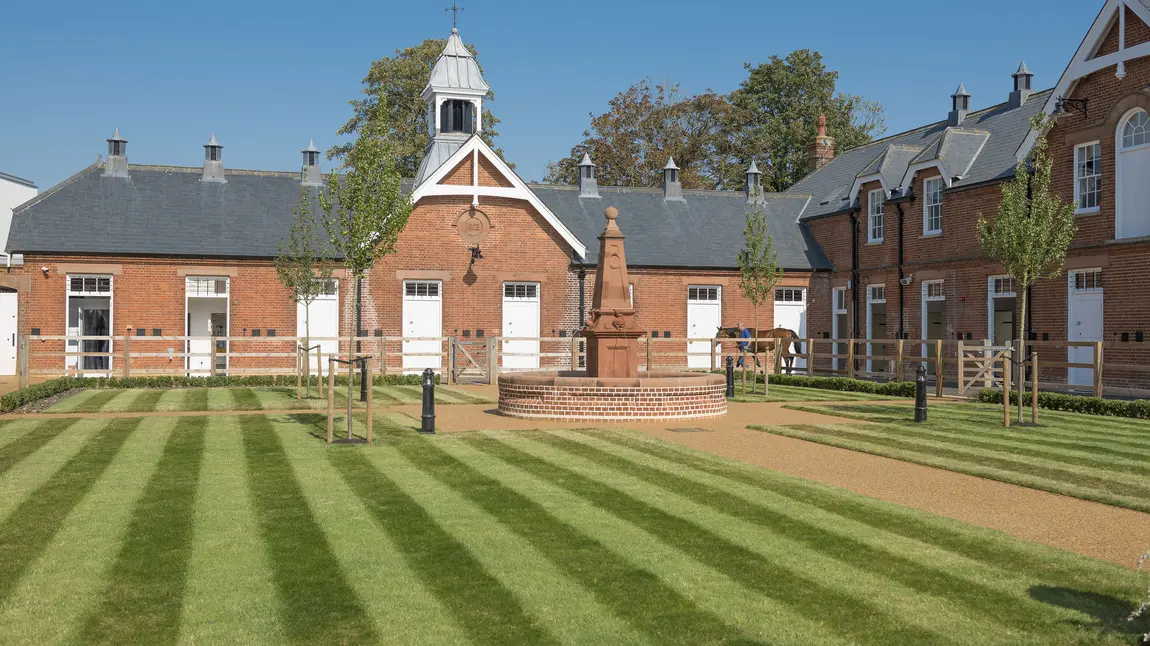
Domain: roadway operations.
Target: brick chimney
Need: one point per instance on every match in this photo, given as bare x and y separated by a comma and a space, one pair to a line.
823, 147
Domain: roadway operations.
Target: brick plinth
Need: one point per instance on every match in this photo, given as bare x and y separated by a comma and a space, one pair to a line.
653, 396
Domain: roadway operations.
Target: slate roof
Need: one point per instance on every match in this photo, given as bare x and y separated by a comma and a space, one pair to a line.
456, 68
159, 210
1004, 129
704, 230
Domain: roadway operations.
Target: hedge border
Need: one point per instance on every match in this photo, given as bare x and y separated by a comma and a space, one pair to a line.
20, 398
841, 384
1134, 409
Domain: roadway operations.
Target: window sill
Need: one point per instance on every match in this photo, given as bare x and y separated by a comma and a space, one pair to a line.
932, 234
1085, 212
874, 243
1131, 240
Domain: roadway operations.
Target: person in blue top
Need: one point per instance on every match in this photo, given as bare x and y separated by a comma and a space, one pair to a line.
744, 333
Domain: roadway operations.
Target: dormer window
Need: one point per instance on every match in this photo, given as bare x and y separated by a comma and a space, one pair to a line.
457, 116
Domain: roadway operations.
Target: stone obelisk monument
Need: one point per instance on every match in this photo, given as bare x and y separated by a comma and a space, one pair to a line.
612, 331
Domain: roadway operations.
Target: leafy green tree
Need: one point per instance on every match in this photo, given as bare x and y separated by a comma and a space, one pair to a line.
643, 127
392, 105
759, 270
365, 212
778, 106
1034, 227
1144, 607
303, 265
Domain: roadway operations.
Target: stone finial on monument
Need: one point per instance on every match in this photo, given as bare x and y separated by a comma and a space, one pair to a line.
613, 329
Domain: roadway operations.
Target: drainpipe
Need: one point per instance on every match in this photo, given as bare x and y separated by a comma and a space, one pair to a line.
582, 295
854, 220
901, 329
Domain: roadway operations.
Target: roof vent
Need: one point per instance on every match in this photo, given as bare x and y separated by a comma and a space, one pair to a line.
959, 106
311, 175
117, 164
588, 187
672, 189
1022, 89
754, 184
213, 161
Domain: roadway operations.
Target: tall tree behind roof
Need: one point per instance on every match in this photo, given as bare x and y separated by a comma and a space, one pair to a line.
779, 105
392, 103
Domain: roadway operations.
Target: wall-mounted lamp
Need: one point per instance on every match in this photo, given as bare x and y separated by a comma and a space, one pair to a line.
1066, 106
44, 269
476, 254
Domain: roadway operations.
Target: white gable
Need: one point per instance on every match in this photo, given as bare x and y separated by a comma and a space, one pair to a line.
476, 147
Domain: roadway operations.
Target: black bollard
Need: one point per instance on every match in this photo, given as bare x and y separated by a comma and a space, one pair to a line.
730, 376
363, 379
920, 395
428, 401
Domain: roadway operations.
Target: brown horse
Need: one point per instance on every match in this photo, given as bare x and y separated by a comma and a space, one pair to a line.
778, 334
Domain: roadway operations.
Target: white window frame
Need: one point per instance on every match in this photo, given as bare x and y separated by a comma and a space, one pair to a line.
992, 285
111, 296
836, 294
427, 295
875, 216
1079, 163
792, 291
872, 300
930, 204
927, 284
718, 291
1096, 279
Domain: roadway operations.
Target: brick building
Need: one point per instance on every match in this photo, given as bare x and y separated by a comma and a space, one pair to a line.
176, 251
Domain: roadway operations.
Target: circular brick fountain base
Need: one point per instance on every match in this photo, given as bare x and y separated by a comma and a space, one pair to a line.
573, 395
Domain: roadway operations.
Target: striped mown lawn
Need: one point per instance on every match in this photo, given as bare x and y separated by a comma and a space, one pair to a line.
801, 394
224, 399
1105, 459
248, 529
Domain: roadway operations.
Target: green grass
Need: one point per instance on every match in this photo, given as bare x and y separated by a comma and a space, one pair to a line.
249, 529
801, 394
1101, 459
235, 399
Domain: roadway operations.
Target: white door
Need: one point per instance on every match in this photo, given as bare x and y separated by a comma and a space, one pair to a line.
521, 321
324, 323
704, 318
200, 326
1085, 322
791, 314
422, 318
7, 333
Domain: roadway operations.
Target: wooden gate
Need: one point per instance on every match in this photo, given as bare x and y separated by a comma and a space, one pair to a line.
981, 364
469, 360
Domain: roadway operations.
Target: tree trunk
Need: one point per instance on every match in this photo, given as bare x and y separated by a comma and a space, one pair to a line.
759, 334
307, 346
350, 371
1021, 352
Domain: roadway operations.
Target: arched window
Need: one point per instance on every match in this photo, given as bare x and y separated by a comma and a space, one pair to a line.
1134, 131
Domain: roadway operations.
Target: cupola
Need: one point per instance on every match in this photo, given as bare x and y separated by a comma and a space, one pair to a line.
310, 175
959, 106
117, 162
588, 187
1022, 86
454, 96
754, 184
672, 189
213, 161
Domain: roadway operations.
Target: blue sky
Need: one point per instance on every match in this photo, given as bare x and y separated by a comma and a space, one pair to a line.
266, 77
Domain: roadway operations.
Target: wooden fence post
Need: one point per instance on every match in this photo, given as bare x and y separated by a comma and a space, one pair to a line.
1006, 388
127, 353
330, 398
492, 361
450, 360
898, 357
650, 363
370, 398
850, 359
938, 367
1034, 389
713, 357
212, 367
22, 362
298, 371
810, 357
574, 352
1098, 369
961, 368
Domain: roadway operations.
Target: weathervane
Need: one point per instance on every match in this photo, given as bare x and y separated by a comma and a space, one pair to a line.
454, 12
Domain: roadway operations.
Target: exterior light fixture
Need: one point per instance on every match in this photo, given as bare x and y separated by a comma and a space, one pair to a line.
476, 254
1067, 106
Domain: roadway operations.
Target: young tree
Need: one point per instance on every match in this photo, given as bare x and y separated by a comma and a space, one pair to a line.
1144, 607
1033, 229
303, 265
365, 212
759, 270
393, 106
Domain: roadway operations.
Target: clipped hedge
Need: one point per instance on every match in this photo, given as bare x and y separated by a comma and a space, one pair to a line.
1136, 409
842, 384
31, 394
